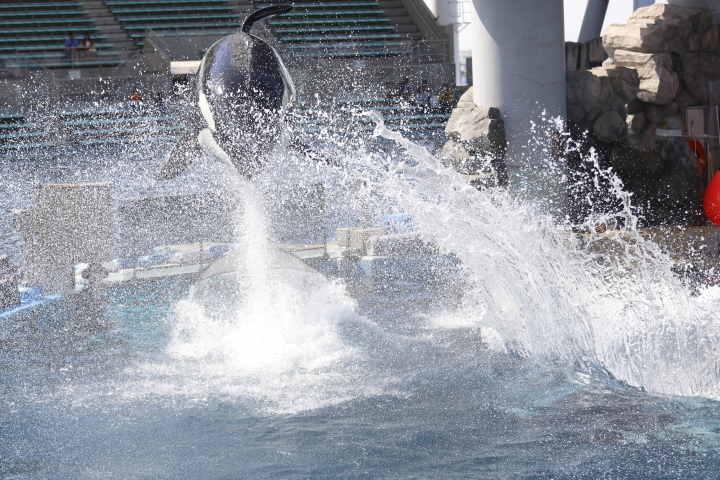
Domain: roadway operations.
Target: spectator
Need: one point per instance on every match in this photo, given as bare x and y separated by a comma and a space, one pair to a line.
446, 98
423, 94
160, 102
136, 101
404, 90
88, 46
71, 46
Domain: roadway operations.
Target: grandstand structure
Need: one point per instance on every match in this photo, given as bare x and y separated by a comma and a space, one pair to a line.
347, 53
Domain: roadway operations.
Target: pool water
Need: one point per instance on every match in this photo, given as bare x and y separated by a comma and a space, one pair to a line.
530, 357
400, 389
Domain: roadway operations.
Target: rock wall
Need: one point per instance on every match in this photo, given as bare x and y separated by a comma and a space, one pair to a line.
659, 63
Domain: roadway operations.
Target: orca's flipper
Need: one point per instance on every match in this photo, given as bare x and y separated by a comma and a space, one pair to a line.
185, 151
311, 154
263, 13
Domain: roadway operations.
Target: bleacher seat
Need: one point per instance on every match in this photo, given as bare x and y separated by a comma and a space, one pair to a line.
336, 28
120, 126
397, 115
17, 134
33, 35
171, 17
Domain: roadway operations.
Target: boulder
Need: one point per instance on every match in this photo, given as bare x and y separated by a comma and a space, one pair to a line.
710, 40
634, 157
591, 93
653, 113
697, 86
672, 123
686, 64
625, 81
684, 99
662, 178
670, 110
700, 19
609, 127
466, 99
675, 45
634, 106
477, 142
635, 123
457, 157
693, 42
683, 27
658, 82
647, 38
710, 65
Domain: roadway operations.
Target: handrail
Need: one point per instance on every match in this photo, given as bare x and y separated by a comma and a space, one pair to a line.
134, 56
149, 32
422, 16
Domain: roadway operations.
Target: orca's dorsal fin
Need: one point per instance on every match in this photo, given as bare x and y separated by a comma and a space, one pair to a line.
263, 13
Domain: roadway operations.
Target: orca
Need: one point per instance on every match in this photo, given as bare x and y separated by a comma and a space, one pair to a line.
239, 105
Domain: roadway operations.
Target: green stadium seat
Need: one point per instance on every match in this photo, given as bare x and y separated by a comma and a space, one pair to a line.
329, 21
174, 9
18, 146
123, 3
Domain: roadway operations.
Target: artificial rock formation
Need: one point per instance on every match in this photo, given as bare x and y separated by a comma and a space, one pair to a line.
659, 63
477, 143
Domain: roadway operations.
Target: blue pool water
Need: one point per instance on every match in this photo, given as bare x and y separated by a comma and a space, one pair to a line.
532, 358
412, 398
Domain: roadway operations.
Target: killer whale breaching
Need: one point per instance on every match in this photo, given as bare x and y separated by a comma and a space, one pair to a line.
240, 102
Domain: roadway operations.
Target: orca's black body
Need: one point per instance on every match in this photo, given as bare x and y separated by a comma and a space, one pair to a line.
240, 100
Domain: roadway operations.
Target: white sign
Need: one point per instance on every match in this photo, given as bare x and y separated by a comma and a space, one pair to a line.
73, 74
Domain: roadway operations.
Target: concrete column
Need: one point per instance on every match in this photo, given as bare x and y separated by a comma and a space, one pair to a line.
519, 67
593, 20
642, 3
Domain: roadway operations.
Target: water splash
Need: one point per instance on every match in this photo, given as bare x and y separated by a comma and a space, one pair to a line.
606, 301
267, 332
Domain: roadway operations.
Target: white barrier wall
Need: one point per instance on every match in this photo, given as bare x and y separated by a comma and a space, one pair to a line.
73, 224
519, 66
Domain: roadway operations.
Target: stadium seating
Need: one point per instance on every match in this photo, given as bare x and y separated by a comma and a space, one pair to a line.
347, 117
173, 17
16, 134
350, 28
397, 115
119, 126
34, 33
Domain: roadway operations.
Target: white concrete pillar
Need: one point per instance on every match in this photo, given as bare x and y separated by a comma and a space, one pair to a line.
519, 67
642, 3
593, 20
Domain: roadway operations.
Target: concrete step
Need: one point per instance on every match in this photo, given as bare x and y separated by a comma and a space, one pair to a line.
105, 20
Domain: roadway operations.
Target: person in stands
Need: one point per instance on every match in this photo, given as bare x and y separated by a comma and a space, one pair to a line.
423, 94
88, 46
71, 46
446, 98
160, 102
136, 101
404, 90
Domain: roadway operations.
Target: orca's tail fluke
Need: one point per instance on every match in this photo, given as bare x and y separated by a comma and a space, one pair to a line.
185, 151
263, 13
